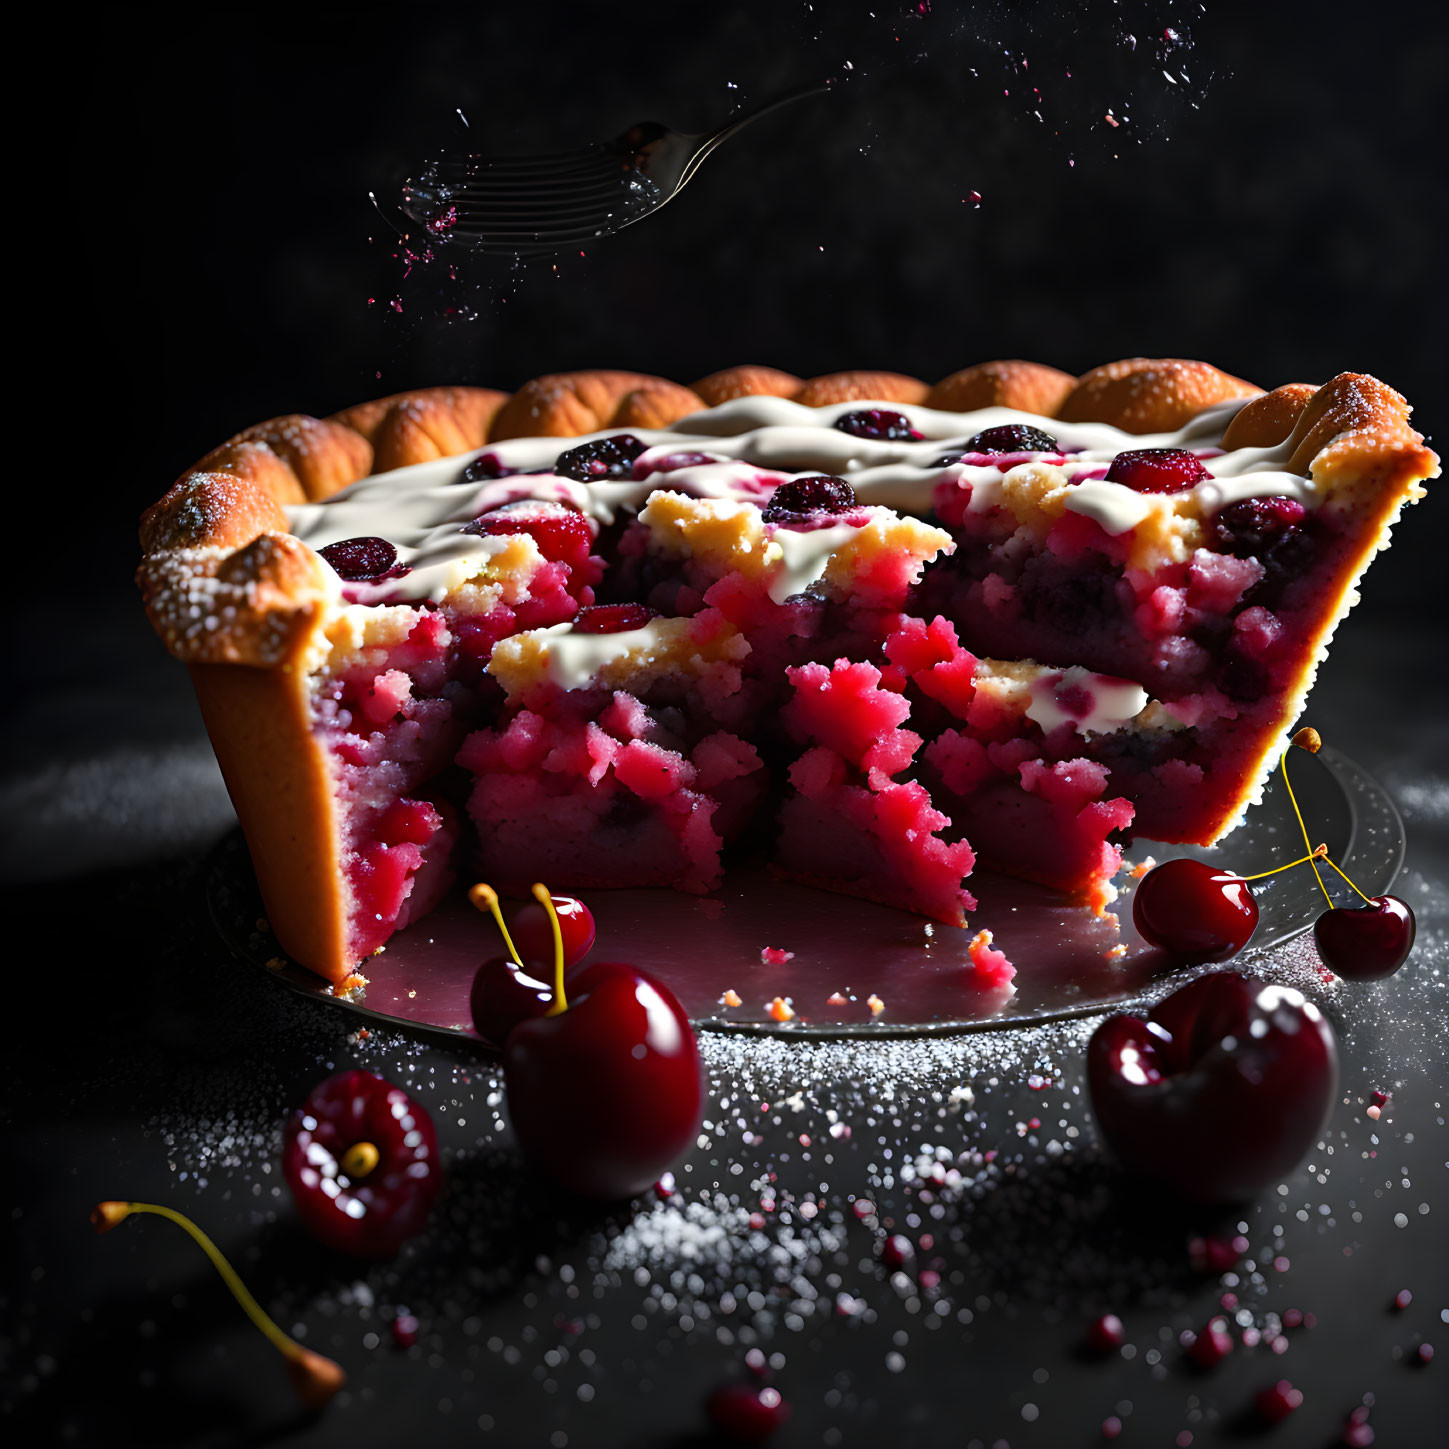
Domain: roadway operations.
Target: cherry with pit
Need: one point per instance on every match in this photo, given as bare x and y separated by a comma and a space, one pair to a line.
1220, 1090
361, 1159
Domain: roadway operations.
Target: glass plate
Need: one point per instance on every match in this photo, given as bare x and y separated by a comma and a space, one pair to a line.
703, 946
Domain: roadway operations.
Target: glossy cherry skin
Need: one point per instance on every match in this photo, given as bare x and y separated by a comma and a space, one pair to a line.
879, 423
1194, 910
533, 934
1157, 470
607, 1094
612, 619
505, 993
1220, 1091
1366, 943
1012, 438
812, 493
373, 1216
364, 560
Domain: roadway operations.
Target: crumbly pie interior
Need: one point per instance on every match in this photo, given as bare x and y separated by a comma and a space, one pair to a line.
613, 631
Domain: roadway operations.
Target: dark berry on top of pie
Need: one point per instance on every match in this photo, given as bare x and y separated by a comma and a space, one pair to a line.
1007, 619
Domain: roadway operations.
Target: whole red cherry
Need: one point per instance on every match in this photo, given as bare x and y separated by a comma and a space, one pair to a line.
361, 1159
533, 934
1366, 943
608, 1092
1220, 1091
1194, 910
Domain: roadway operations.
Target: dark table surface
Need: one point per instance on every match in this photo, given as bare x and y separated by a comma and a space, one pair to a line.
145, 1063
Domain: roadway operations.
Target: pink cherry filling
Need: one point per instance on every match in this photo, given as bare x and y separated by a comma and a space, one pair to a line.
391, 718
1213, 636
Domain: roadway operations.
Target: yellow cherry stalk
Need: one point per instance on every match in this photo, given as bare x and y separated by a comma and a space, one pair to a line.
315, 1379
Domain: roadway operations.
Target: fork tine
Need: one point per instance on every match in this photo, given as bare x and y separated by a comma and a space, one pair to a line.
599, 198
544, 197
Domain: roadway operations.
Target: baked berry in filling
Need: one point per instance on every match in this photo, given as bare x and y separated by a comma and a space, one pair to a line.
880, 640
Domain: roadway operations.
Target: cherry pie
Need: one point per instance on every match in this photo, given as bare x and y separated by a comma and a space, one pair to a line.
609, 629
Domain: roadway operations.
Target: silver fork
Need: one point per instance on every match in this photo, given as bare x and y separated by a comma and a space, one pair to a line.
531, 204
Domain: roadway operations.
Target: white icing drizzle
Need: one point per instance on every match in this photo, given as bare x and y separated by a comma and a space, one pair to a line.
805, 557
1113, 702
573, 660
755, 440
1115, 508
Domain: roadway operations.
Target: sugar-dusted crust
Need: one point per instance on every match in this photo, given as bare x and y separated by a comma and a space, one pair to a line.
1266, 420
243, 602
1029, 387
1354, 435
416, 427
746, 381
839, 387
567, 404
1149, 395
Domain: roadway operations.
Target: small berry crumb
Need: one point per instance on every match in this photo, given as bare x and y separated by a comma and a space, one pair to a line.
774, 956
781, 1010
835, 999
991, 965
731, 998
1142, 867
1116, 952
875, 1003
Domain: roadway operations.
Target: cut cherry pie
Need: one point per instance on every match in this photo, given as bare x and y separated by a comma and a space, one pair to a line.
610, 630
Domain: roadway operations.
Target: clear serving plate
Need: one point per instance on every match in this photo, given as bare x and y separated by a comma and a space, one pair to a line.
702, 947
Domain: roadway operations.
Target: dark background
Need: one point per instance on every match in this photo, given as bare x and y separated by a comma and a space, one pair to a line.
212, 257
196, 240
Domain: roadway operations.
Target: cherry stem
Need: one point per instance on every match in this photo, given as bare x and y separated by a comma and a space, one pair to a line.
485, 898
108, 1214
1319, 852
560, 1002
1365, 899
1299, 814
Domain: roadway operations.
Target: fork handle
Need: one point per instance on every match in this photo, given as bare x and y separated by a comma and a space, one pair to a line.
711, 139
